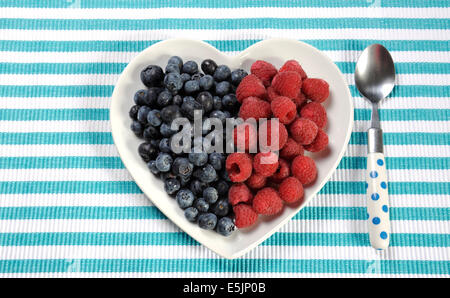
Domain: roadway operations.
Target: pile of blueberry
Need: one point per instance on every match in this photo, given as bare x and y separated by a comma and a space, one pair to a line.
198, 181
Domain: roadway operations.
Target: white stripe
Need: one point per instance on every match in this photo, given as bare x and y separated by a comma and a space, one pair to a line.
228, 34
240, 12
125, 57
165, 226
405, 126
197, 252
136, 200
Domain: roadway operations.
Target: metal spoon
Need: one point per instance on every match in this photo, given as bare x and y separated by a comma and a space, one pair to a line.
375, 78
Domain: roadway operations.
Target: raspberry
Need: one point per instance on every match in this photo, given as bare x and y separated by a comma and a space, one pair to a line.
284, 109
267, 201
256, 181
319, 143
291, 149
245, 216
245, 137
253, 107
303, 131
264, 71
239, 166
304, 169
287, 83
292, 65
316, 89
280, 135
282, 172
291, 190
299, 99
271, 94
239, 193
315, 112
250, 86
265, 163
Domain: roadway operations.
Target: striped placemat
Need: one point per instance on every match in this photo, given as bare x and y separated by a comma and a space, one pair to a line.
68, 207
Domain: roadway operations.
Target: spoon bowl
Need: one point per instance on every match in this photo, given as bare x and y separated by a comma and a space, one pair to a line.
375, 73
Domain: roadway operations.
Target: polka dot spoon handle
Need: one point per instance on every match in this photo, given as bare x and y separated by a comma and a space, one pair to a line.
377, 201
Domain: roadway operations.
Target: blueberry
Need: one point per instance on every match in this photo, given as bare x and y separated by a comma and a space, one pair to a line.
222, 187
201, 205
164, 162
151, 133
185, 198
176, 60
164, 98
207, 221
237, 76
223, 88
209, 66
206, 173
182, 167
225, 226
224, 175
170, 113
172, 68
216, 160
218, 114
229, 102
166, 131
154, 143
185, 77
198, 159
206, 100
171, 186
166, 175
221, 208
197, 76
152, 167
191, 87
141, 97
197, 187
222, 73
191, 214
152, 97
152, 75
210, 194
133, 112
184, 181
142, 114
206, 82
137, 128
154, 118
189, 105
217, 103
164, 145
190, 67
147, 152
173, 82
177, 100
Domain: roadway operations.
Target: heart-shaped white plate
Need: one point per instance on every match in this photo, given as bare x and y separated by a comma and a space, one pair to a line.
340, 117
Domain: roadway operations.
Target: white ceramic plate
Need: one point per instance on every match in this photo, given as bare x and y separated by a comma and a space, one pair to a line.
340, 117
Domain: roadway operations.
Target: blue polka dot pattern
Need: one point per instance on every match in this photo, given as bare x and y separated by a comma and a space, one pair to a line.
376, 220
367, 185
367, 216
385, 208
383, 185
383, 235
375, 196
380, 162
373, 174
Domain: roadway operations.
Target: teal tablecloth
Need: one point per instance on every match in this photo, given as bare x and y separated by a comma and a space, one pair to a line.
69, 208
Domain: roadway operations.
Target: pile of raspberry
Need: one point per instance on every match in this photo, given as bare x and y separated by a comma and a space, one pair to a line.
265, 181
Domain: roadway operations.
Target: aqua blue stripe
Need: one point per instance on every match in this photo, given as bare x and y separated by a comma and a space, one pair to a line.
117, 68
150, 212
219, 24
224, 265
180, 238
103, 138
223, 45
111, 162
217, 4
106, 91
103, 114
